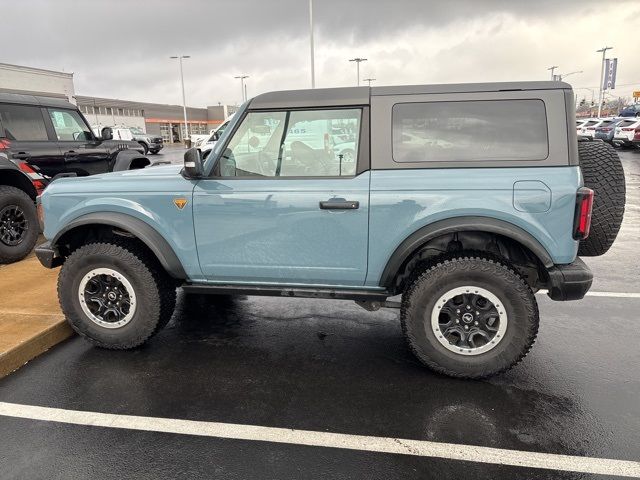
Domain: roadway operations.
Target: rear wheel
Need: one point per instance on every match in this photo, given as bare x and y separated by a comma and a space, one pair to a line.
113, 295
154, 152
19, 227
469, 316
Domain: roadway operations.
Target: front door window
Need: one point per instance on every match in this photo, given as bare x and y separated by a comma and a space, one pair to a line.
299, 143
69, 126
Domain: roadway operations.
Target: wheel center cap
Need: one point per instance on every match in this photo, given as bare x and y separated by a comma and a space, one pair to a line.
467, 317
111, 296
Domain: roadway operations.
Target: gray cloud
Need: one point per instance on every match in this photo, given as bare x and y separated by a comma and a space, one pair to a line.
120, 48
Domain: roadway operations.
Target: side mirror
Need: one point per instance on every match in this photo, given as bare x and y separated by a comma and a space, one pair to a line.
106, 133
215, 137
193, 167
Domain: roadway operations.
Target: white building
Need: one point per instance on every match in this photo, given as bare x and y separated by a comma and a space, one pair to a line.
36, 81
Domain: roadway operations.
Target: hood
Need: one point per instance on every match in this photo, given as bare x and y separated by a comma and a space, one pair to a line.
144, 179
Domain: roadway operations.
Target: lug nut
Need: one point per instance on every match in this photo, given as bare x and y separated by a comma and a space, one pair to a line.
468, 307
466, 327
475, 323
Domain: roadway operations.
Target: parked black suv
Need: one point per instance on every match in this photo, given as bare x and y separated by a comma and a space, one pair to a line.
41, 138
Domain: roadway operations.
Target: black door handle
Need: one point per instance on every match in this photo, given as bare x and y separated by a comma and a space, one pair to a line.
339, 204
70, 154
21, 156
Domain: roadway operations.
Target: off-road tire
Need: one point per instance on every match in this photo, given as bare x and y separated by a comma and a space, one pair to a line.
155, 297
154, 152
144, 148
603, 173
166, 284
15, 196
462, 269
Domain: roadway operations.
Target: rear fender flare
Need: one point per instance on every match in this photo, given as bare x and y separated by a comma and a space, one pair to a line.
459, 224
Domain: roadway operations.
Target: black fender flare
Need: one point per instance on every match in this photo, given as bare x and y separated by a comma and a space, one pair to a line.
125, 158
459, 224
140, 229
14, 177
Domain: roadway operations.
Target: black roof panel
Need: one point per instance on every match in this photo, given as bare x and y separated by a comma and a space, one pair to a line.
33, 100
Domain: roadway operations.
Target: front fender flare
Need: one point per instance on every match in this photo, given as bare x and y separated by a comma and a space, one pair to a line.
140, 229
125, 158
459, 224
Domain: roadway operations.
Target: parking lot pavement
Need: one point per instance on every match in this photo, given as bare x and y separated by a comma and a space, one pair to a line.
173, 153
319, 366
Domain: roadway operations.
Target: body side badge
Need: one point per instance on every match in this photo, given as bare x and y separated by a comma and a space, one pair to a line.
180, 202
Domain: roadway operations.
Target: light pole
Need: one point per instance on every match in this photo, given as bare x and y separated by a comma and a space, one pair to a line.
313, 71
358, 61
553, 77
565, 75
184, 102
600, 96
242, 90
369, 80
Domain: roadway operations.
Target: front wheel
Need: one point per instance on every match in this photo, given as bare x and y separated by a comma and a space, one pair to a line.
469, 316
113, 295
144, 148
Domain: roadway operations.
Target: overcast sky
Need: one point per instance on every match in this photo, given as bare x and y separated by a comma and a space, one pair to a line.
120, 48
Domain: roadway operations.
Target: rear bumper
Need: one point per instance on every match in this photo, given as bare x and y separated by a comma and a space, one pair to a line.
47, 256
569, 282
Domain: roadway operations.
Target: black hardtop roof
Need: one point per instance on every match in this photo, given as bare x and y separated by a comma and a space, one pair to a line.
35, 100
345, 96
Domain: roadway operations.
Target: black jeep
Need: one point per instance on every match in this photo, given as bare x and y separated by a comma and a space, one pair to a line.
41, 138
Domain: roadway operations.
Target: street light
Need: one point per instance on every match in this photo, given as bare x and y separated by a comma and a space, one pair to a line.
243, 92
369, 80
184, 103
313, 71
565, 75
553, 77
600, 96
358, 61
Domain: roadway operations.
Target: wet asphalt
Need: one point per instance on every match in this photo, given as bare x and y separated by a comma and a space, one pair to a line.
331, 366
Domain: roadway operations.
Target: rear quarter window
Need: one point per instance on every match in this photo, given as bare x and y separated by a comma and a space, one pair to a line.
468, 131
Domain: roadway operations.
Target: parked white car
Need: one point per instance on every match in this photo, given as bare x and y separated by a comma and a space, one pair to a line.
627, 133
588, 128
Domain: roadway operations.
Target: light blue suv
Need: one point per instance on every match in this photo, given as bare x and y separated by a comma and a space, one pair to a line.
464, 199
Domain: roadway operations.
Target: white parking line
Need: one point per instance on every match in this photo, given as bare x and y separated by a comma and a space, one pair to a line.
604, 294
363, 443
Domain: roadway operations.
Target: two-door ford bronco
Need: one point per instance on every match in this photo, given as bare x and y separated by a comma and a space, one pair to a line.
464, 199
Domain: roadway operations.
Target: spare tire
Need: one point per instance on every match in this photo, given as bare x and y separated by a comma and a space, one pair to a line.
603, 173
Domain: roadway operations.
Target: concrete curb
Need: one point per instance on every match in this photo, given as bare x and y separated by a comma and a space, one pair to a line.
30, 318
34, 346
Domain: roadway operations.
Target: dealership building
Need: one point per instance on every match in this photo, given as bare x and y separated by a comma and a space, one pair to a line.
153, 118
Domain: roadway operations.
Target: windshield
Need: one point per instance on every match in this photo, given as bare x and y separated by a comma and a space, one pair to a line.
136, 131
223, 137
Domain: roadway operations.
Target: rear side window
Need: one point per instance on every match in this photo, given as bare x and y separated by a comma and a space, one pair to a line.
470, 131
23, 123
626, 123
